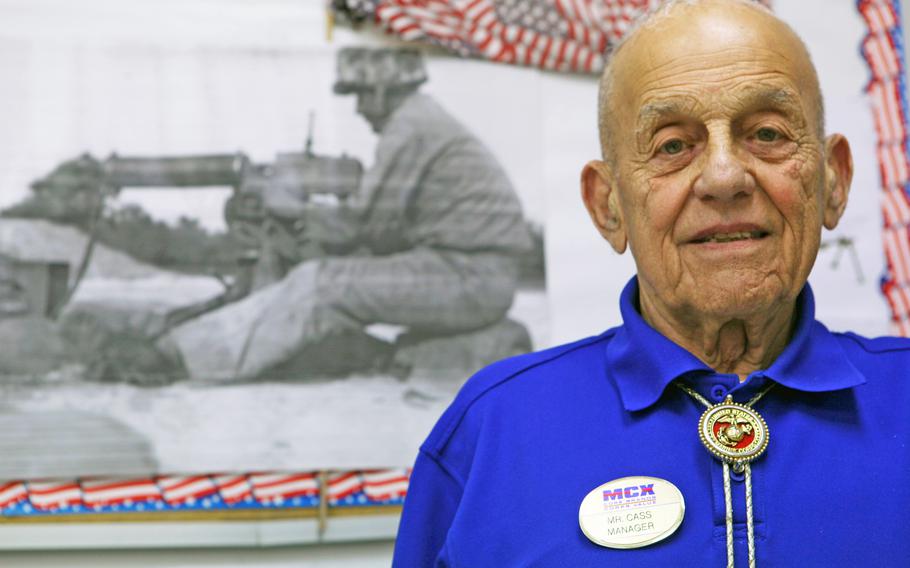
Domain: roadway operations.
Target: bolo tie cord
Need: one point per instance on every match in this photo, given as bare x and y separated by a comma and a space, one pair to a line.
728, 493
728, 516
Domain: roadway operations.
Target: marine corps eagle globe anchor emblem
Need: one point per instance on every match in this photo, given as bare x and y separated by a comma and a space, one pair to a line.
733, 432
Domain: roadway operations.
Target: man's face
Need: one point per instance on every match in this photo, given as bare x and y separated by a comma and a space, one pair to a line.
721, 179
373, 105
376, 104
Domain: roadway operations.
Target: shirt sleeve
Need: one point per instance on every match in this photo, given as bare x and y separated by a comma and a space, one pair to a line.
432, 500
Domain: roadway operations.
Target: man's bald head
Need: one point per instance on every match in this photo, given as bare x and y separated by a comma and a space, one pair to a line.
719, 178
651, 27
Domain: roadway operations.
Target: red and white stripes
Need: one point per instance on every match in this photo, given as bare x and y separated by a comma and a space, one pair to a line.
12, 492
278, 487
881, 49
54, 494
382, 485
558, 35
233, 488
107, 492
343, 485
177, 489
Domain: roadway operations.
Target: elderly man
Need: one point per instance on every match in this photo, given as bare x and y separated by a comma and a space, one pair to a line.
719, 178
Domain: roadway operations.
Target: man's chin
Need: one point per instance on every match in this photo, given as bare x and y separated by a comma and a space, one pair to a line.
377, 124
732, 298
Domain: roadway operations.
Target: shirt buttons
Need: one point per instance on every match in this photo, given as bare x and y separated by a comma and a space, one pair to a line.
718, 392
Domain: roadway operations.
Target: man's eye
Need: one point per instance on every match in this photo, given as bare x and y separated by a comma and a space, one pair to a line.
673, 147
767, 135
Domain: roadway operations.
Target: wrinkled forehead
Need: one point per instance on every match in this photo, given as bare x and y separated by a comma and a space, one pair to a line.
707, 56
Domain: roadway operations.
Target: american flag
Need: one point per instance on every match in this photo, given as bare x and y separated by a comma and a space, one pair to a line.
558, 35
883, 51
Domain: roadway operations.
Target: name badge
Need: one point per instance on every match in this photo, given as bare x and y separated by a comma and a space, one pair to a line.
631, 512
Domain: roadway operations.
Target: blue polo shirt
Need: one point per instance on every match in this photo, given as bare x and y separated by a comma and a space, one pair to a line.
500, 479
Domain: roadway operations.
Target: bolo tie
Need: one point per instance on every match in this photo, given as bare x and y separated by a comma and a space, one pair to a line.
736, 435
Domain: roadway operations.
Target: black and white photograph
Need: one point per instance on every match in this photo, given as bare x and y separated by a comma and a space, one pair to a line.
229, 251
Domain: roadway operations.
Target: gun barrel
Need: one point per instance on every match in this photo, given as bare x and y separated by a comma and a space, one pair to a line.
191, 171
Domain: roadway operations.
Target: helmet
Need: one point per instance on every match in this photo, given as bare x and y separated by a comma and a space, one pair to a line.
364, 68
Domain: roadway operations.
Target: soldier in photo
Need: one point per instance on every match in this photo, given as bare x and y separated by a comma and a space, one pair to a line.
426, 240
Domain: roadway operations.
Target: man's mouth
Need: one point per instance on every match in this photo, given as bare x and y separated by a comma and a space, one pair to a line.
730, 237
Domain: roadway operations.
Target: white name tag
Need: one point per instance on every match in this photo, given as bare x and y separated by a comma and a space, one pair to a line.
631, 512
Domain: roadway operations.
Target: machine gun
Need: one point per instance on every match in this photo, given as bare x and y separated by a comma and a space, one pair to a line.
264, 212
268, 201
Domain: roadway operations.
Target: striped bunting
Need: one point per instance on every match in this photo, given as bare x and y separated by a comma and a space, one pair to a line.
882, 49
204, 492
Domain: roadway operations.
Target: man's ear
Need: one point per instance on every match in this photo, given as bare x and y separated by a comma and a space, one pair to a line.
598, 191
838, 176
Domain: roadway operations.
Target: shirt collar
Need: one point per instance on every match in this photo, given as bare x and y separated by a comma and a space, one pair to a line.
643, 362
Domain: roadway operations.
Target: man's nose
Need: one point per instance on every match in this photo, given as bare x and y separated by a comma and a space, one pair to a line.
371, 102
724, 175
